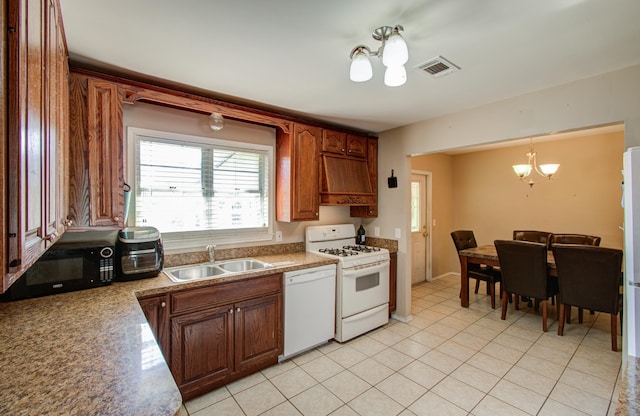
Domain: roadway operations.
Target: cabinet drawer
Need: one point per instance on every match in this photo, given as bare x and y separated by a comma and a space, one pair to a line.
193, 299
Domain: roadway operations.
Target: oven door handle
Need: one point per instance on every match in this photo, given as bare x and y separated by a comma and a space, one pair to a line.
366, 269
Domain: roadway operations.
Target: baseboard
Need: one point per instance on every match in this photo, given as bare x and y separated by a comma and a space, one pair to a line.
449, 274
405, 319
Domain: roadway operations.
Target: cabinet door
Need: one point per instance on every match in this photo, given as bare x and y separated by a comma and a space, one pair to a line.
29, 144
258, 332
105, 154
202, 349
306, 175
156, 311
370, 211
298, 174
55, 130
334, 142
356, 146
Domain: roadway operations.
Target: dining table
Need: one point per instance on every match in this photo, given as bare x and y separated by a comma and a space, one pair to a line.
487, 255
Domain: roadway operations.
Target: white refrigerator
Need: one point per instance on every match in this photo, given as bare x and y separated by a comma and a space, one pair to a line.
631, 201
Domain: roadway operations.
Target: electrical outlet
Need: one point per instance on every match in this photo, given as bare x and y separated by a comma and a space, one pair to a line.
278, 236
376, 231
398, 234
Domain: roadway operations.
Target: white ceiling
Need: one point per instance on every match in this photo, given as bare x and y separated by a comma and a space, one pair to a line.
293, 55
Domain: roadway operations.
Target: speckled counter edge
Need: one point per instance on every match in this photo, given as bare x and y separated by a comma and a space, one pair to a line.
629, 394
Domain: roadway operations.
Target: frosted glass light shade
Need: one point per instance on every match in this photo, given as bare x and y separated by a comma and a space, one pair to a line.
549, 169
395, 52
360, 70
216, 121
394, 76
522, 170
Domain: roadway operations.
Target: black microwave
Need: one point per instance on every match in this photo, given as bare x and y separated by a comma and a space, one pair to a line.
66, 267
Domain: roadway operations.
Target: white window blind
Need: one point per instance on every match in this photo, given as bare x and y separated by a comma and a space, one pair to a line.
187, 186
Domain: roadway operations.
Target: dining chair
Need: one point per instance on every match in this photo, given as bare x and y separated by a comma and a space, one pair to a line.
534, 237
464, 239
589, 278
524, 273
589, 240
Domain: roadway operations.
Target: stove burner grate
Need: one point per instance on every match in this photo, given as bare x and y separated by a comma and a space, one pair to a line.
363, 249
338, 252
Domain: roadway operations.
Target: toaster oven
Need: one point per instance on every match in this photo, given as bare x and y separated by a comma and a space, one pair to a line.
139, 253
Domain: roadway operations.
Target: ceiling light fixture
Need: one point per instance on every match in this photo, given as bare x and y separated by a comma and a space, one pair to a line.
216, 121
393, 52
524, 170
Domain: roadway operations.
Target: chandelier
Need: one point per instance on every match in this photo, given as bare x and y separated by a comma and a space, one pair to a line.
523, 171
393, 52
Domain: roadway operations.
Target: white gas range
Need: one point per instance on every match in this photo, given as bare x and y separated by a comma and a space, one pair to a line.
362, 280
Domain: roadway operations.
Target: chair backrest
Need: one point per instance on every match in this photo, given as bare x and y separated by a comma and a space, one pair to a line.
589, 276
589, 240
463, 239
534, 236
524, 267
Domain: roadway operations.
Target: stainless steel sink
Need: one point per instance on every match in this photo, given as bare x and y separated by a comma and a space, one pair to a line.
193, 272
243, 265
202, 271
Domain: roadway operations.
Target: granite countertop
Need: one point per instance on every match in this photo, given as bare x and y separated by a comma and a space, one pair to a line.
91, 352
629, 391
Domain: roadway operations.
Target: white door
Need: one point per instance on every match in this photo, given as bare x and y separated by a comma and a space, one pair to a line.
419, 229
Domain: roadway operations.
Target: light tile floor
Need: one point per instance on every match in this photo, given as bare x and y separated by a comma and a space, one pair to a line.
447, 361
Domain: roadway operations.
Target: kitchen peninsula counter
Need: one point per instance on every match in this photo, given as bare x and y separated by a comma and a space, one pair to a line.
91, 352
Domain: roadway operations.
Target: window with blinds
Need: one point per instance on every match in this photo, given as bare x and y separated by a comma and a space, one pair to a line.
186, 186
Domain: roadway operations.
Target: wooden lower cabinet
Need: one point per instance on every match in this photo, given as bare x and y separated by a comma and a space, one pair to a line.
202, 349
238, 333
393, 281
258, 331
157, 313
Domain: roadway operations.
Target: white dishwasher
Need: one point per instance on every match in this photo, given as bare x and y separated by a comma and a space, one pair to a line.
309, 308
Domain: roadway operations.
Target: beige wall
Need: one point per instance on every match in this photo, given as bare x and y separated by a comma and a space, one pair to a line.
613, 97
583, 197
479, 191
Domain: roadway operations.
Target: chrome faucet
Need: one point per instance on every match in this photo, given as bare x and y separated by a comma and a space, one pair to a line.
211, 250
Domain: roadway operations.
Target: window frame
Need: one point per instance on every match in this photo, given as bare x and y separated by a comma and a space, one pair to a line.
186, 241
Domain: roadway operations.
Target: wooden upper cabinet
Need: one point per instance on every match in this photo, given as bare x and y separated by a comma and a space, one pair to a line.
356, 146
341, 143
33, 184
96, 171
298, 173
105, 135
370, 211
334, 142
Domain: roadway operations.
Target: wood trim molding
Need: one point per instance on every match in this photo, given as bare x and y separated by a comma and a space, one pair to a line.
144, 88
135, 94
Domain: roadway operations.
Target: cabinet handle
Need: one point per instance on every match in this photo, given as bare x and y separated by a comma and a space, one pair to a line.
51, 237
231, 311
67, 222
116, 218
316, 214
163, 304
238, 310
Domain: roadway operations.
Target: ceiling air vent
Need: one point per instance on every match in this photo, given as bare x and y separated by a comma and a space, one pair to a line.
438, 66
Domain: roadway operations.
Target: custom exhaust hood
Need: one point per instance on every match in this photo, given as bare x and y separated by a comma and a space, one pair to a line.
346, 181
